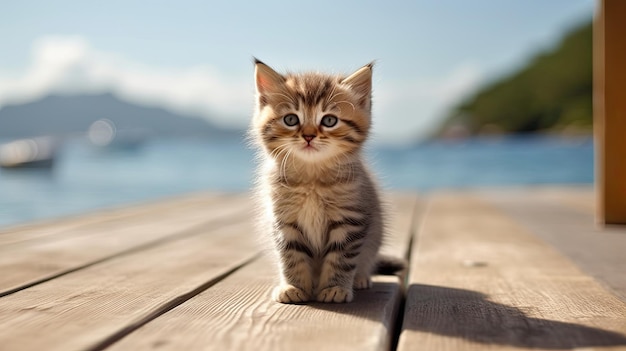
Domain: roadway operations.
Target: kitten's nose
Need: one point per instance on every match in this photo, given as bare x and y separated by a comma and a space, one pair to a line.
308, 137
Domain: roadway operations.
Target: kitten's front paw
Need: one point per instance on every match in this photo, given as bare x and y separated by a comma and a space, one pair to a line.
335, 294
289, 294
362, 282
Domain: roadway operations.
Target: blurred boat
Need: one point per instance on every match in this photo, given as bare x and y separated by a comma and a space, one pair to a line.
103, 133
37, 152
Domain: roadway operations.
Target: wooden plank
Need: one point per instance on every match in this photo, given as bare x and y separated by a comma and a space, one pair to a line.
599, 251
31, 262
54, 227
578, 198
89, 308
480, 281
609, 110
238, 314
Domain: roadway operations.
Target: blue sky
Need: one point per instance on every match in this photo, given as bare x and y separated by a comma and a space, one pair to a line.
195, 56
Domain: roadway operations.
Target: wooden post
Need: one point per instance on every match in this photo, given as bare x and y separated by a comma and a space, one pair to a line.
610, 110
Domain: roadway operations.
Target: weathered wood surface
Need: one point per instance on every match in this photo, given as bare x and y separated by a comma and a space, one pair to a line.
506, 269
237, 314
480, 280
599, 251
87, 308
62, 226
44, 257
576, 198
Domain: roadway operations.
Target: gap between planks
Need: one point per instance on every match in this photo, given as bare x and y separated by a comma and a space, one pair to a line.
41, 259
480, 281
62, 311
238, 313
95, 305
166, 307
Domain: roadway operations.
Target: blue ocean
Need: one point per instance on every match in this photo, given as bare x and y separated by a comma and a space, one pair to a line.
86, 178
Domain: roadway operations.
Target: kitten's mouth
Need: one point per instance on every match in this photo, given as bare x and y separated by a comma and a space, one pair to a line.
309, 147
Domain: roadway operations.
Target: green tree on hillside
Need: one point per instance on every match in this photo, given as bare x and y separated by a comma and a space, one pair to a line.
552, 92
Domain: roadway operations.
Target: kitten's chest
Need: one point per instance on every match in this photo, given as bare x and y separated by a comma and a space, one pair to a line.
307, 206
312, 209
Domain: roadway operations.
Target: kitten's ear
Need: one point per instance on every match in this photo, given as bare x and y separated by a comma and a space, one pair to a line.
267, 80
361, 83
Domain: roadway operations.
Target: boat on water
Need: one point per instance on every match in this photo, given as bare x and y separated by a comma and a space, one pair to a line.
39, 152
104, 134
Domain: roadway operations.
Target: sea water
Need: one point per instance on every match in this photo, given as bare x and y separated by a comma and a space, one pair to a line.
86, 178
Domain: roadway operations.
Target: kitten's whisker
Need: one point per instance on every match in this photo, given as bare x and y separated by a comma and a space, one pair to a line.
331, 95
278, 150
283, 167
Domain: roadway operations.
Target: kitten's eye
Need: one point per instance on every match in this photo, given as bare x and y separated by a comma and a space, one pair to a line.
291, 120
329, 121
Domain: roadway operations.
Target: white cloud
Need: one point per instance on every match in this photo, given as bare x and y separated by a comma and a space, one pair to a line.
70, 65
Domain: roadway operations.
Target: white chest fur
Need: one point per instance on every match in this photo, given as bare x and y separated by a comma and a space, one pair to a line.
309, 209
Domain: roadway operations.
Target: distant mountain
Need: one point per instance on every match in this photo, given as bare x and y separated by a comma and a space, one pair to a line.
552, 92
66, 115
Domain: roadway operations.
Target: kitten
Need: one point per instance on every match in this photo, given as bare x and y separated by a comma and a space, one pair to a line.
320, 202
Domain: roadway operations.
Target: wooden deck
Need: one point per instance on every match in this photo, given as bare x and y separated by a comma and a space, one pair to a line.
489, 270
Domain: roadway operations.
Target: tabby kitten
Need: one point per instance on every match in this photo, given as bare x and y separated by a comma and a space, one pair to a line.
320, 203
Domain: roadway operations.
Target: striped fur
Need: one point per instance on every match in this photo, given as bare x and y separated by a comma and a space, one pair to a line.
320, 202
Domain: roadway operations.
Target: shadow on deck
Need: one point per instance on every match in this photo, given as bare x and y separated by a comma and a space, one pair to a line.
523, 268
